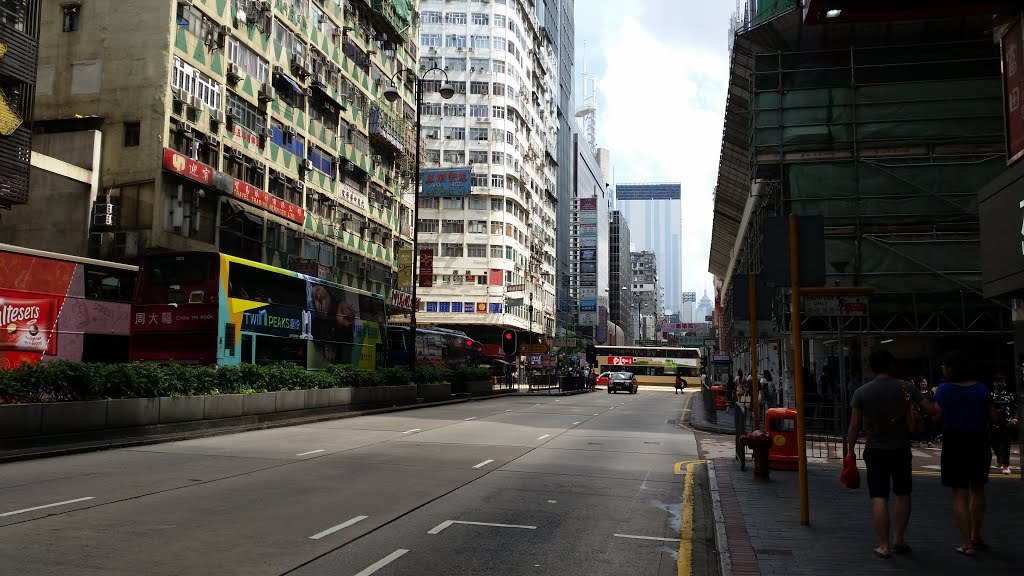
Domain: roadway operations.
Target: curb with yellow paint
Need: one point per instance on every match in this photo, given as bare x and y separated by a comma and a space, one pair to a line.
684, 562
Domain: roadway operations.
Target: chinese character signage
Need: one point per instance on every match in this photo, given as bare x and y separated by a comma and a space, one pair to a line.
588, 203
1012, 79
405, 268
446, 182
426, 271
187, 167
252, 195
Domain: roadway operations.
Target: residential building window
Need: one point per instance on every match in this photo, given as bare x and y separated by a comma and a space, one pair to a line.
189, 80
454, 157
497, 205
453, 226
477, 157
499, 66
497, 181
480, 64
432, 109
510, 255
478, 111
480, 41
430, 203
476, 250
497, 157
289, 41
496, 251
431, 17
455, 133
498, 89
71, 16
457, 64
132, 134
498, 111
479, 88
479, 203
478, 134
430, 40
498, 43
455, 109
428, 62
322, 160
249, 116
452, 203
499, 20
480, 19
323, 110
451, 250
497, 134
477, 226
455, 18
427, 226
247, 60
432, 156
288, 140
455, 41
460, 87
432, 132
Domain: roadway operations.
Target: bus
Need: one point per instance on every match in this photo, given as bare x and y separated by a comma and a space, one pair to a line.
208, 308
440, 347
60, 306
653, 366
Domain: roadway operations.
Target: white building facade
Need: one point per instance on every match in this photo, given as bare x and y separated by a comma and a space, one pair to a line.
496, 246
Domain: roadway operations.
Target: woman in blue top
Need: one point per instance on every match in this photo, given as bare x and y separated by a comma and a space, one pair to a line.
966, 453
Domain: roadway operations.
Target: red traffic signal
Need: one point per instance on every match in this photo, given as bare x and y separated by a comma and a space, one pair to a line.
509, 343
508, 335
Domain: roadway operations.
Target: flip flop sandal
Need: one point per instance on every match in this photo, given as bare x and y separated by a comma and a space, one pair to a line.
881, 554
965, 551
902, 548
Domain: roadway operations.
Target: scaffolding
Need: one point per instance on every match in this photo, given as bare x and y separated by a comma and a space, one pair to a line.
890, 144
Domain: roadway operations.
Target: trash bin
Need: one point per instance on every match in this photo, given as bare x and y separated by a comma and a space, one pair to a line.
719, 394
780, 423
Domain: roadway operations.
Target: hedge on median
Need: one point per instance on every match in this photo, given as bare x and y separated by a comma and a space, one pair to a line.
61, 380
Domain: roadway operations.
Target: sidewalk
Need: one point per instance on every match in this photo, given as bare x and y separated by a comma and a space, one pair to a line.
764, 535
697, 417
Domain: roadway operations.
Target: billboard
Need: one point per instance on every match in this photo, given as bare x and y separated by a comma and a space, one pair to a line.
446, 182
663, 191
689, 297
588, 203
426, 271
588, 254
1010, 45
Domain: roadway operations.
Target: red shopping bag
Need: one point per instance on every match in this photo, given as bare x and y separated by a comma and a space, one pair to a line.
851, 475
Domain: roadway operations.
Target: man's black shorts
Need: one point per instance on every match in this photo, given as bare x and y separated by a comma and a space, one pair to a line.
885, 468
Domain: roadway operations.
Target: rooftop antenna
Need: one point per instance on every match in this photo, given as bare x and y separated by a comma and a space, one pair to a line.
587, 111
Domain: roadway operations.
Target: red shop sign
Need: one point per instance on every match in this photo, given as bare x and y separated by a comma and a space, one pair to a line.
252, 195
621, 360
187, 167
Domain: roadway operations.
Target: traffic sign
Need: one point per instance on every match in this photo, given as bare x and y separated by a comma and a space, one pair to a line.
835, 305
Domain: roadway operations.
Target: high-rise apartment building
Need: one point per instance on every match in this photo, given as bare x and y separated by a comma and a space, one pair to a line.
621, 309
253, 128
648, 293
589, 259
494, 251
19, 39
561, 12
654, 212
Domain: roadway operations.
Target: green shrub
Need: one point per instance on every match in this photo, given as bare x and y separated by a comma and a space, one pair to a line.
395, 376
430, 375
472, 374
343, 375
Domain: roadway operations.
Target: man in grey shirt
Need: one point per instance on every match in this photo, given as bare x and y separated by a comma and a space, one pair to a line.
881, 406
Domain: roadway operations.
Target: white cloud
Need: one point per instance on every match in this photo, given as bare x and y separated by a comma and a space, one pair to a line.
661, 110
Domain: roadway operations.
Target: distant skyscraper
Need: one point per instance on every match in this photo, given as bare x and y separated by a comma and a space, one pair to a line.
654, 213
705, 307
686, 313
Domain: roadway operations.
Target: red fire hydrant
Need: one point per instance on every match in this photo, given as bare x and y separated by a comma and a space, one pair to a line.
760, 443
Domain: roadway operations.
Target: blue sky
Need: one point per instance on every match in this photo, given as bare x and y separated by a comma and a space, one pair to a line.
662, 69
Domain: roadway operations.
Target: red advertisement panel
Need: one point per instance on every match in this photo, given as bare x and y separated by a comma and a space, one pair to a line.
426, 270
28, 327
1012, 77
187, 167
252, 195
620, 360
186, 318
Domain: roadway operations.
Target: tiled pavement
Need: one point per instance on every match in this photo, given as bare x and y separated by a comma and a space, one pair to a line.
762, 524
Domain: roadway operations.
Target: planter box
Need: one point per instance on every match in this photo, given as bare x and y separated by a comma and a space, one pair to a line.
223, 406
259, 403
20, 420
401, 394
133, 412
288, 401
362, 395
437, 391
181, 409
480, 387
63, 417
341, 396
318, 398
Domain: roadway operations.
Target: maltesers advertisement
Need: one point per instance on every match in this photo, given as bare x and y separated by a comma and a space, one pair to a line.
32, 293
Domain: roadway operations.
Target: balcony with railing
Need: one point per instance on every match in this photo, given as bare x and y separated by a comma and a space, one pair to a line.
387, 127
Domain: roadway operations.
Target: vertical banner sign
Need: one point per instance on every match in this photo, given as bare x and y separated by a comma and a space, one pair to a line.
405, 268
1010, 45
426, 268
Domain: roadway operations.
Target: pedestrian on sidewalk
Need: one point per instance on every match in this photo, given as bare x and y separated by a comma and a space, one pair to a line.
967, 410
928, 424
881, 406
769, 393
1004, 430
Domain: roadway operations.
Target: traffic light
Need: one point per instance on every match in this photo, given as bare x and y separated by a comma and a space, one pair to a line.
509, 343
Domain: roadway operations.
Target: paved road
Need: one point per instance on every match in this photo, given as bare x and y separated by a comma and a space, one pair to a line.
504, 486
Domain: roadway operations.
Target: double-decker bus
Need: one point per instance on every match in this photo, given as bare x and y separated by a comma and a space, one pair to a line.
59, 306
215, 309
440, 347
653, 366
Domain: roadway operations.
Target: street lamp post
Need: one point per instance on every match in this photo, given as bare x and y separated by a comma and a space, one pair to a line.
391, 95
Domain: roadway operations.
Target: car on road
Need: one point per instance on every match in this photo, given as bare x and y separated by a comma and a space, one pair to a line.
622, 381
602, 379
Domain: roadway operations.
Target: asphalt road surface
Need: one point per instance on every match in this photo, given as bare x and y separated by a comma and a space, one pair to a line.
588, 485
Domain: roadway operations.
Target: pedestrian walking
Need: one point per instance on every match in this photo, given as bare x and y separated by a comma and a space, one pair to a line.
967, 411
769, 393
1005, 429
881, 406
